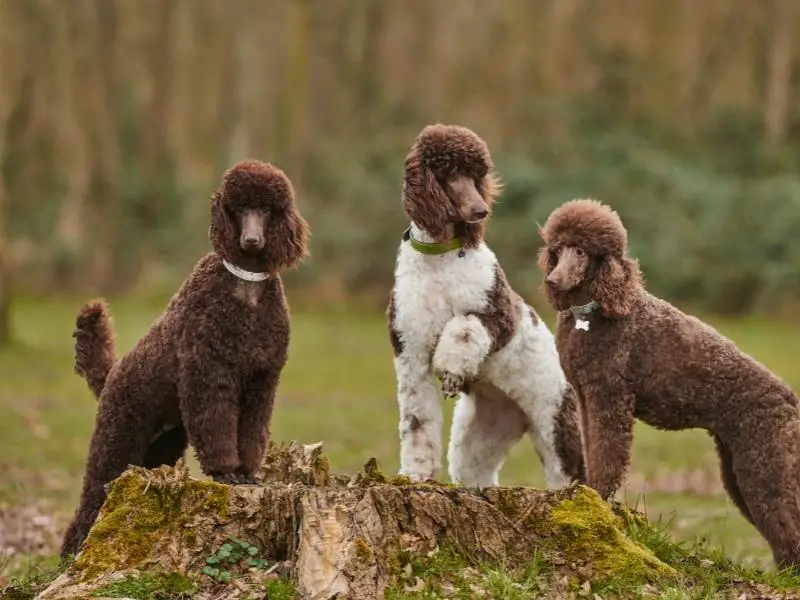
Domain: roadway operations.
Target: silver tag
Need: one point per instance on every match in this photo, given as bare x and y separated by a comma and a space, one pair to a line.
582, 324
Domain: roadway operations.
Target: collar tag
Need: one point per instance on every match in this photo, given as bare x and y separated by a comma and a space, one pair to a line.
580, 312
433, 247
242, 274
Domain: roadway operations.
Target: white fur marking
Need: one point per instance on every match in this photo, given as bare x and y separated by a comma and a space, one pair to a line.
582, 324
462, 347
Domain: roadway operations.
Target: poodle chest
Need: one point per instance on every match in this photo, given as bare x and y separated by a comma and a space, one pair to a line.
431, 289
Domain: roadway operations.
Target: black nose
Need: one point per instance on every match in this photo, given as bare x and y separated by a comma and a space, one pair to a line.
251, 240
481, 214
551, 283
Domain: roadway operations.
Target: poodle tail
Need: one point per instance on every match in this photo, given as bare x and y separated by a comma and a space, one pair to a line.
94, 344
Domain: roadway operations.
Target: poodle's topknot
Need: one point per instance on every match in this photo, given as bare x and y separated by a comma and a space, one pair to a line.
256, 183
589, 224
450, 149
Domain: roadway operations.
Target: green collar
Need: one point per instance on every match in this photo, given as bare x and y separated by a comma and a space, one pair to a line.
585, 309
432, 247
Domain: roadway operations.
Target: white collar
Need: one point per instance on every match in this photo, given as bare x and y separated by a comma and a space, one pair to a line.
242, 274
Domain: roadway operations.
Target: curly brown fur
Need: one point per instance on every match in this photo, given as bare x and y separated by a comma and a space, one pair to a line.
207, 370
439, 157
94, 344
643, 358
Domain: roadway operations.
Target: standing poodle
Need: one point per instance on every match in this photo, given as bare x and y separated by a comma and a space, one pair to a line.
207, 370
631, 355
452, 313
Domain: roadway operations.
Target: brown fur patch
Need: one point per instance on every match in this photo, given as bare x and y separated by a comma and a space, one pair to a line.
534, 316
501, 315
394, 334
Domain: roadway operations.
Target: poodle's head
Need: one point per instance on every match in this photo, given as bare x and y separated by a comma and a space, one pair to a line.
585, 259
448, 186
255, 223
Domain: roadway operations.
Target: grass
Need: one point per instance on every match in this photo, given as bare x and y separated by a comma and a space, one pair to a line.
338, 387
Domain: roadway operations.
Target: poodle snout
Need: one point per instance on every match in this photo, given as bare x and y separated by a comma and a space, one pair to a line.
557, 283
472, 208
252, 237
480, 214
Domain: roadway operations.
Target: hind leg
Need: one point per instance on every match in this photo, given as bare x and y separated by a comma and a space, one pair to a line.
729, 478
167, 448
556, 435
118, 441
486, 424
766, 474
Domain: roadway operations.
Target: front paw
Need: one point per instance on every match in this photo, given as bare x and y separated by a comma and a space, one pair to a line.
416, 476
246, 479
225, 478
452, 384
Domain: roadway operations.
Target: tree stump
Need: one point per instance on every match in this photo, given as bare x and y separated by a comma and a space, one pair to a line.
338, 537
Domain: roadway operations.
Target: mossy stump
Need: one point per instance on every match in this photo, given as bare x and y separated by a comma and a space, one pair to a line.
342, 537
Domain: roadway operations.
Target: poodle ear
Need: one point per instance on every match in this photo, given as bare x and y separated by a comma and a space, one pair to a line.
615, 284
543, 260
424, 200
222, 231
286, 240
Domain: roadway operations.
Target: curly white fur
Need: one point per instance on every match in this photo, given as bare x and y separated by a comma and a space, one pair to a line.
517, 389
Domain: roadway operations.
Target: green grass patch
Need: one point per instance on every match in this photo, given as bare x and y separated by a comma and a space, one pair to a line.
150, 586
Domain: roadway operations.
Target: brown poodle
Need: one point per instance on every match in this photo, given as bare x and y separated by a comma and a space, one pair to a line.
631, 355
207, 370
453, 314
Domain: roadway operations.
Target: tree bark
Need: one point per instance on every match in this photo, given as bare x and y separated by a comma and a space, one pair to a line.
779, 71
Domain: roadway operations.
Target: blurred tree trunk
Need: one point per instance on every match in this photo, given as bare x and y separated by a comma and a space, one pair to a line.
102, 97
155, 151
295, 96
5, 271
243, 94
10, 97
779, 71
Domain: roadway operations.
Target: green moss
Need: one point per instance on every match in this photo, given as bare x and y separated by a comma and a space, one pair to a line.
585, 529
399, 480
146, 586
139, 512
364, 551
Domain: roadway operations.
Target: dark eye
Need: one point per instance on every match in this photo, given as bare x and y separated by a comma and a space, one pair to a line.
556, 252
580, 252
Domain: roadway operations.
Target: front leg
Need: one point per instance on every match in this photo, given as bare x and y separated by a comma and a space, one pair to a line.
607, 411
462, 348
209, 402
420, 416
255, 414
